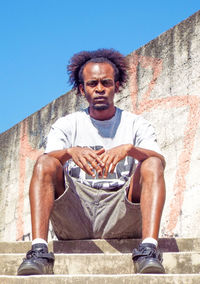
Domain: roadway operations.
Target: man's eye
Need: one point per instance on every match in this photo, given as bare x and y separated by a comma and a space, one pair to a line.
107, 83
92, 83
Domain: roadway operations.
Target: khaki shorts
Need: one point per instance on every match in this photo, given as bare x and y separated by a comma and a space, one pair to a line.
82, 212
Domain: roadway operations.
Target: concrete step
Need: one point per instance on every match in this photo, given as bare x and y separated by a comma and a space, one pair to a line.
103, 279
181, 263
103, 262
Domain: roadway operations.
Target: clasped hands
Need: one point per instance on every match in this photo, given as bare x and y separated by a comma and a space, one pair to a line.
100, 161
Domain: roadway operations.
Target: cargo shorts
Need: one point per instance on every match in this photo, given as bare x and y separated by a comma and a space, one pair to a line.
83, 212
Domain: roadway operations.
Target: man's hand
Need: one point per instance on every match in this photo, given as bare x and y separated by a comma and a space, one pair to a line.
88, 159
111, 157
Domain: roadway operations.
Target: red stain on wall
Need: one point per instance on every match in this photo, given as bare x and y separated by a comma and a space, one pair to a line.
147, 104
25, 152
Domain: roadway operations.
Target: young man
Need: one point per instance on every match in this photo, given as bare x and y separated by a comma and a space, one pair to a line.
102, 172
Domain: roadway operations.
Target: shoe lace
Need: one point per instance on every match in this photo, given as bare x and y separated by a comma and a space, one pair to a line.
33, 254
39, 253
146, 252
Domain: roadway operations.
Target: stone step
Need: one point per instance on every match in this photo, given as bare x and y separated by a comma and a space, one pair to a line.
74, 264
103, 279
104, 246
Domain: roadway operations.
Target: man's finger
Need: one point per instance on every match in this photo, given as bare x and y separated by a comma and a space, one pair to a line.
98, 159
95, 166
100, 151
107, 166
113, 167
86, 167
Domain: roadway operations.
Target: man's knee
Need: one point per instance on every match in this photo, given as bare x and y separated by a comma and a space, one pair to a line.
152, 167
46, 165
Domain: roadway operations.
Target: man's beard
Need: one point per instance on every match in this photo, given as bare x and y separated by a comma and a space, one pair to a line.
101, 107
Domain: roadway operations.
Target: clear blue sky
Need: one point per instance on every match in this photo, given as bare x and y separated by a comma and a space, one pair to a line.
38, 37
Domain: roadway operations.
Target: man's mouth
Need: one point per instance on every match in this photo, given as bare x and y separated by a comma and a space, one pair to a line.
100, 103
100, 99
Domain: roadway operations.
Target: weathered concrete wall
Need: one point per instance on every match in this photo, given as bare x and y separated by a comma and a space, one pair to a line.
164, 87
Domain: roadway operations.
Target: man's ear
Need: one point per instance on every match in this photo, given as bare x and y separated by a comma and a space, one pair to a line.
81, 89
117, 86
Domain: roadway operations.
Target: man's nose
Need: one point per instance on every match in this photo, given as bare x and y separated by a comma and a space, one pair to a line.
100, 87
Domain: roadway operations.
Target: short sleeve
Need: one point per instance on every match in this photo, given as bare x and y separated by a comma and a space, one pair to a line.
145, 136
59, 136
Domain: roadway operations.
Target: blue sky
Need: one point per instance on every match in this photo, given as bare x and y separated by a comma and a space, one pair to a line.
38, 37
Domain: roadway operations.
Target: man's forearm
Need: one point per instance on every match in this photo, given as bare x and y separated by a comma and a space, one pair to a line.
84, 157
142, 154
62, 155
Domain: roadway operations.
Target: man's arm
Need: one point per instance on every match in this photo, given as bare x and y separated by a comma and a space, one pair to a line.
111, 157
86, 158
101, 161
142, 154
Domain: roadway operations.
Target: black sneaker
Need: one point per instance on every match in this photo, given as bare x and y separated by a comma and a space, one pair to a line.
37, 261
147, 259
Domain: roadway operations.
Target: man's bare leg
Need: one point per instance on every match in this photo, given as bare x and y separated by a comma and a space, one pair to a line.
47, 183
148, 188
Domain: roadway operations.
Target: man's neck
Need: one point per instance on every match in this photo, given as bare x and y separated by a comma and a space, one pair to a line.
102, 114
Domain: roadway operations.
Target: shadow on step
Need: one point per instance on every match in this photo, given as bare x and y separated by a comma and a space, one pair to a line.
112, 245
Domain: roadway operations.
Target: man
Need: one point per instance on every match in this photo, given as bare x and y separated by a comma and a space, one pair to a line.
102, 172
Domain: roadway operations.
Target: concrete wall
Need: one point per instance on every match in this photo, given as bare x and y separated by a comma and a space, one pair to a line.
164, 87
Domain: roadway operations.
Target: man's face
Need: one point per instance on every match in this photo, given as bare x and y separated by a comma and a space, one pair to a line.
99, 85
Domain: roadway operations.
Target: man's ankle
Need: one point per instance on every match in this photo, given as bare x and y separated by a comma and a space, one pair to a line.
39, 241
150, 241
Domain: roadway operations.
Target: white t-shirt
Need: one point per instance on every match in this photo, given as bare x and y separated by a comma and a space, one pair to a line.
79, 129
